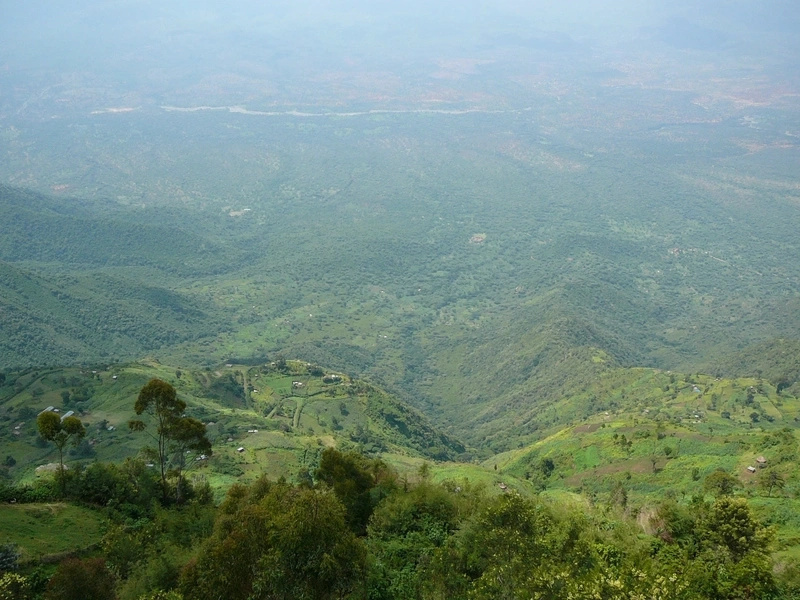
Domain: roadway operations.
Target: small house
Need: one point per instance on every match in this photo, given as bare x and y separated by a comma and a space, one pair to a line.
240, 449
751, 469
762, 462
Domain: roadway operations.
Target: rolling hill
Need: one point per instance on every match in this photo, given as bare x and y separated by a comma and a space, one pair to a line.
281, 416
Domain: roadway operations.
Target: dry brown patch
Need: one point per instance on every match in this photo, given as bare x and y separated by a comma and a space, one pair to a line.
637, 466
536, 157
590, 428
648, 520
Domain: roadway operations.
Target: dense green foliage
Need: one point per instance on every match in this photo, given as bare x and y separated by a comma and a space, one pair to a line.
277, 541
273, 539
77, 579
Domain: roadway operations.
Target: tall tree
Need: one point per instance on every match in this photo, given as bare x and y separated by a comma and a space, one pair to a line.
771, 480
404, 531
61, 432
731, 554
175, 433
352, 478
731, 525
188, 434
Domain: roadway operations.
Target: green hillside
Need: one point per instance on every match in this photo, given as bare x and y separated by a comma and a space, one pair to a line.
283, 416
51, 531
638, 436
651, 433
776, 360
469, 284
620, 477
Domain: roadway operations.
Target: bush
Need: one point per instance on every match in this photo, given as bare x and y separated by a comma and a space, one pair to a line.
77, 579
42, 491
9, 555
15, 587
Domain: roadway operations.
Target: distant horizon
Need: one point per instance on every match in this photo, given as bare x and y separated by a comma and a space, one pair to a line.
133, 53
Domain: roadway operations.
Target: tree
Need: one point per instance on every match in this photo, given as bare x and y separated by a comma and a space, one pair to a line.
404, 531
276, 541
188, 434
77, 579
9, 557
770, 480
619, 495
60, 431
731, 558
547, 466
351, 477
730, 525
175, 433
720, 483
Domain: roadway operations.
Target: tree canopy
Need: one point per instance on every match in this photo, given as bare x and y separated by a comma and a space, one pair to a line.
60, 431
277, 541
175, 433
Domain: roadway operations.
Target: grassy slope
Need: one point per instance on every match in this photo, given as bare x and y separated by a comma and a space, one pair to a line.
680, 428
40, 530
293, 423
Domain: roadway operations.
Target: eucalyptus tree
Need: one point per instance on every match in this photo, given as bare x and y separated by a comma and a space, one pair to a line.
174, 434
61, 431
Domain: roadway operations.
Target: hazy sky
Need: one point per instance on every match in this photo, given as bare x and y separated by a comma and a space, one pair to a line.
137, 51
41, 29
